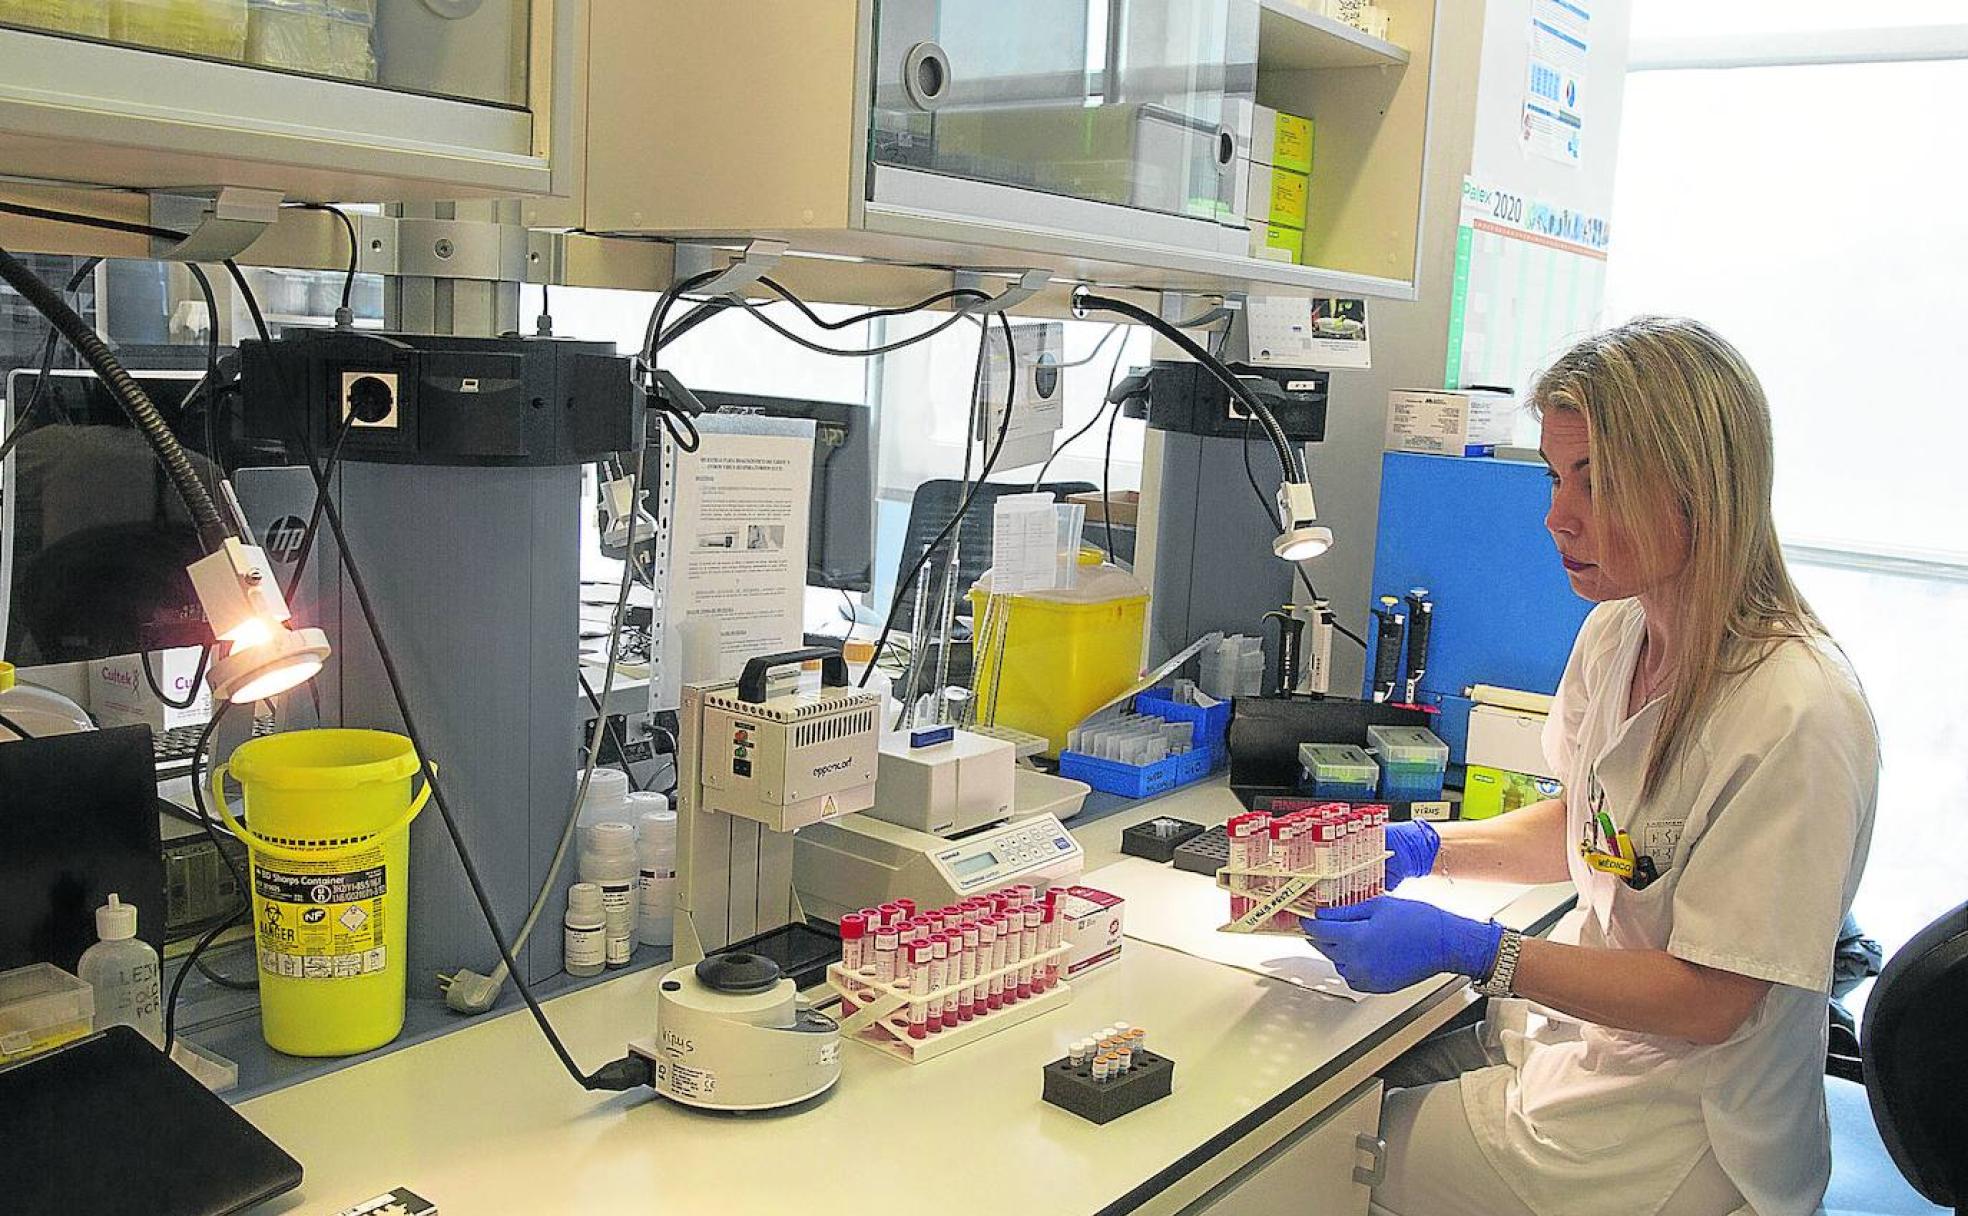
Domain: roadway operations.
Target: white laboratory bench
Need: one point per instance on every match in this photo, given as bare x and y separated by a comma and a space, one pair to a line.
1272, 1085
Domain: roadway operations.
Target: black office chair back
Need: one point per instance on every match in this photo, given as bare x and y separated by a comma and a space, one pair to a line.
1915, 1046
935, 505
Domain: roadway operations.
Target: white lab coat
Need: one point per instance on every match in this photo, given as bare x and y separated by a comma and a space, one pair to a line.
1760, 837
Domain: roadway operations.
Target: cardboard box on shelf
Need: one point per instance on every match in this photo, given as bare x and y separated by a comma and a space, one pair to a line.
1454, 422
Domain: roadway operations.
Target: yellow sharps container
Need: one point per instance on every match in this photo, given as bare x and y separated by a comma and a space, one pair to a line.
1064, 652
328, 840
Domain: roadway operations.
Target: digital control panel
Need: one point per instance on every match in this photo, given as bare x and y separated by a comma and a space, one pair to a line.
1001, 855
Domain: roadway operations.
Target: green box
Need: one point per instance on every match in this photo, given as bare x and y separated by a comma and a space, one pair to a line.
1277, 243
1489, 792
1291, 143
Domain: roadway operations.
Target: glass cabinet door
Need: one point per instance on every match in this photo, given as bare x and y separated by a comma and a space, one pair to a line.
473, 50
1109, 101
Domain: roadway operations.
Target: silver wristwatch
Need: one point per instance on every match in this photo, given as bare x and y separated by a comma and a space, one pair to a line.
1503, 973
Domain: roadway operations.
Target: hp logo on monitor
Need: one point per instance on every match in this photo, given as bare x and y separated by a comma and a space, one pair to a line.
283, 539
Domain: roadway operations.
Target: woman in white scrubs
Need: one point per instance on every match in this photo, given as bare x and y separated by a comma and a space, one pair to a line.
1720, 769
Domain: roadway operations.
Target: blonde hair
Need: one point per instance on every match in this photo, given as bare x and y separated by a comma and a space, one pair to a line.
1677, 422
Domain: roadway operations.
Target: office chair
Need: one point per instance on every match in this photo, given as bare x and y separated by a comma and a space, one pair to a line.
1915, 1048
935, 505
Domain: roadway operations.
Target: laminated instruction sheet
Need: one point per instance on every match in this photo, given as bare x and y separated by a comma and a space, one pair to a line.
736, 572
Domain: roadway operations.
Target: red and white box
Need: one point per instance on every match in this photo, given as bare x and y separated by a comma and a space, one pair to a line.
1093, 929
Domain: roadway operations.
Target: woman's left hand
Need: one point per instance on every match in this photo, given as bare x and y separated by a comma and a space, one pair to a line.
1385, 944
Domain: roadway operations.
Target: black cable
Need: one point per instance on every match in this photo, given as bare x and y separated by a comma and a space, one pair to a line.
614, 729
89, 221
963, 508
644, 367
903, 310
177, 984
618, 1074
1084, 300
226, 981
26, 412
1113, 370
212, 526
20, 732
314, 515
1106, 503
759, 315
1271, 514
197, 676
348, 279
210, 384
199, 752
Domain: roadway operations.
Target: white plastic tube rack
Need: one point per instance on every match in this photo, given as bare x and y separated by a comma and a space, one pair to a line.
882, 1017
1275, 891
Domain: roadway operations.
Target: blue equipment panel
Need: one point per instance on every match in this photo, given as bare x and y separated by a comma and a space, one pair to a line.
1471, 530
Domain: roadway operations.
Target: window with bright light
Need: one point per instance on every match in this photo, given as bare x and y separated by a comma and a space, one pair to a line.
1807, 204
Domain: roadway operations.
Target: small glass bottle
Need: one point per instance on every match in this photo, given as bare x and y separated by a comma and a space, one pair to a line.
584, 950
124, 973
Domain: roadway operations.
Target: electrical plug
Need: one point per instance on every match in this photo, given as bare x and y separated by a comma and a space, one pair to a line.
467, 991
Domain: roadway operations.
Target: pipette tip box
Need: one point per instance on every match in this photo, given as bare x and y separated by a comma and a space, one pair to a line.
1072, 1087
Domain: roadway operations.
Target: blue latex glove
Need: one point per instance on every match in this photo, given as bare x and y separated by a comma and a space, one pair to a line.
1383, 945
1414, 845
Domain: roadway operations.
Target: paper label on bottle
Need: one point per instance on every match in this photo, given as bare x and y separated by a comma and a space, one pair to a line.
321, 920
619, 916
584, 948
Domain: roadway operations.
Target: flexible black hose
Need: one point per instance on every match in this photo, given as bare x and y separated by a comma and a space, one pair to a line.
212, 527
1287, 458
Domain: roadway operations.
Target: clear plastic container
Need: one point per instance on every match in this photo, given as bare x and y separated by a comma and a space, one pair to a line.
124, 974
328, 39
1413, 762
194, 27
42, 1006
89, 17
37, 711
608, 797
1336, 770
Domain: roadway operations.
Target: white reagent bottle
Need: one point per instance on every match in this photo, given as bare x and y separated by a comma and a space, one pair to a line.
584, 950
656, 837
608, 860
124, 973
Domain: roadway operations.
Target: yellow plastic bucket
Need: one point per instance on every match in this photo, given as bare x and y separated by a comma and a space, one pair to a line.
329, 848
1065, 653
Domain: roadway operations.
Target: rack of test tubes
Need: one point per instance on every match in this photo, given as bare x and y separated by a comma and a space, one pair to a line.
1106, 1075
1285, 866
919, 984
1157, 745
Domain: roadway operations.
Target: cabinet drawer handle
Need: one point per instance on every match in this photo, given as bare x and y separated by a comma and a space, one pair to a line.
1376, 1148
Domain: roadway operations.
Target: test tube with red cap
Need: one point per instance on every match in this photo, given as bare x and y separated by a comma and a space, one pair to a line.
1009, 931
1000, 953
967, 999
1034, 919
919, 959
953, 975
853, 930
892, 914
939, 977
982, 998
888, 945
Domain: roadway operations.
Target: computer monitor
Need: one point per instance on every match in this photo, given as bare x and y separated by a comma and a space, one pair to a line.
94, 540
840, 550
